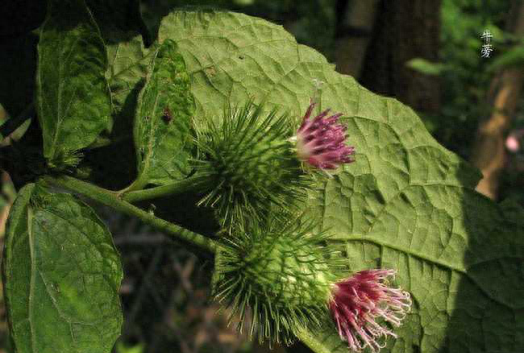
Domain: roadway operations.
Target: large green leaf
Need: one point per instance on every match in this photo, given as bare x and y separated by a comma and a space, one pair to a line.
73, 100
165, 107
406, 203
61, 276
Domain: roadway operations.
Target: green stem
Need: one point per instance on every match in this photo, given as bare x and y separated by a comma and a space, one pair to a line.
138, 184
111, 199
189, 184
14, 123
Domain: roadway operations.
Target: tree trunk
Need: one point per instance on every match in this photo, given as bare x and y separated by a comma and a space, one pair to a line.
405, 29
354, 28
489, 153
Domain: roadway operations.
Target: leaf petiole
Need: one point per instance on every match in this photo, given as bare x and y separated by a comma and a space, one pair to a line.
14, 123
190, 184
111, 199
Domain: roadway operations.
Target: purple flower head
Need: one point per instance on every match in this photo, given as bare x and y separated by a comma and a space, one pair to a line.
320, 141
357, 303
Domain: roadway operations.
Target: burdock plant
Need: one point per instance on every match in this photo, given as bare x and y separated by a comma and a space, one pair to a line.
285, 275
316, 277
275, 265
253, 161
281, 272
248, 164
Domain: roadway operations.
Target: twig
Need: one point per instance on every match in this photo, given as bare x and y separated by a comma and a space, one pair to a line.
111, 199
142, 240
190, 184
14, 123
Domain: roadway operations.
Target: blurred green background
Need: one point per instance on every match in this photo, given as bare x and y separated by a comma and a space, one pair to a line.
426, 53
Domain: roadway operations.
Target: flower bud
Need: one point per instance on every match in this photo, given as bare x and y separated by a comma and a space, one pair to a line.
250, 165
282, 274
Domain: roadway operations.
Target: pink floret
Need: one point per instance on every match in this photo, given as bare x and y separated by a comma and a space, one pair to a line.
360, 300
321, 141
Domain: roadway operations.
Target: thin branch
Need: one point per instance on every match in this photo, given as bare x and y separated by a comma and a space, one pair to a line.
14, 123
112, 200
189, 184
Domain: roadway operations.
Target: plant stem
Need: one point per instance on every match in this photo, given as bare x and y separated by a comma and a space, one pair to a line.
14, 123
190, 184
111, 199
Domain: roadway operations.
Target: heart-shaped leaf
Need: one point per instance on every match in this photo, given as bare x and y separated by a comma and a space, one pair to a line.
406, 203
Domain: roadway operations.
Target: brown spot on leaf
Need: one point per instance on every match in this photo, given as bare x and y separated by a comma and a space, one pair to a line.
167, 115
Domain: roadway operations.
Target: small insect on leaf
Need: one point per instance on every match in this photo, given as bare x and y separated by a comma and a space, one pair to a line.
167, 116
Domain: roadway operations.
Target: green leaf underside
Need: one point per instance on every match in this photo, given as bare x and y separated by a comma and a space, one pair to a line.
119, 22
128, 59
128, 62
62, 274
73, 100
165, 107
406, 203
